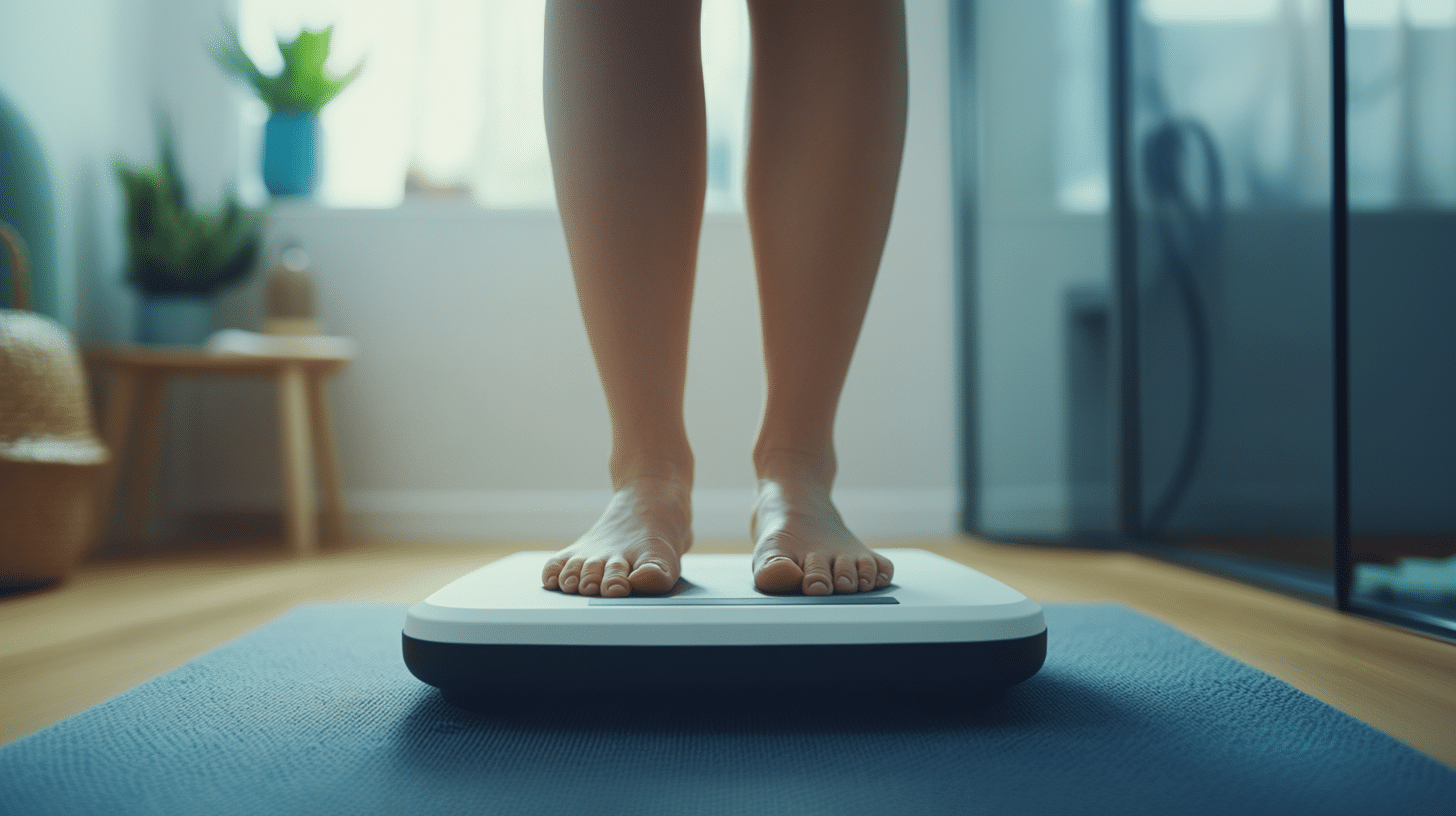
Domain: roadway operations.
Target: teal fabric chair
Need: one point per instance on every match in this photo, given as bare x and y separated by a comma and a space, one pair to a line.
26, 204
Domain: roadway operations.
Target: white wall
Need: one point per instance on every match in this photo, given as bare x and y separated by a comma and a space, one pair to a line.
474, 411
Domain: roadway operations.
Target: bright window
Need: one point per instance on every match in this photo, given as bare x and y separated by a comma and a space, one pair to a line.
449, 102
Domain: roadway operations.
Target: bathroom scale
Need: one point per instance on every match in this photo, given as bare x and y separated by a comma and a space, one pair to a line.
941, 627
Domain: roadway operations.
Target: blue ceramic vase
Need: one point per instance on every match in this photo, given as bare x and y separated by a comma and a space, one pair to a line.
290, 153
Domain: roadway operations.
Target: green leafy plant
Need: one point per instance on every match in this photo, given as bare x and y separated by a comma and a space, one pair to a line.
303, 84
174, 249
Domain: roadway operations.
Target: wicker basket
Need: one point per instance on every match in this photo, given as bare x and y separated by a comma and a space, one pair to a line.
49, 455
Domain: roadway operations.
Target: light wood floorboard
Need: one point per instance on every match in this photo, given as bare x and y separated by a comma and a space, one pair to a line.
118, 623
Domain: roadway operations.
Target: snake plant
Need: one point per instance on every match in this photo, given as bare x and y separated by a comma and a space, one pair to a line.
178, 250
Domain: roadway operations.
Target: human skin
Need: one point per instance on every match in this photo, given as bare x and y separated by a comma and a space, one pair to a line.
626, 126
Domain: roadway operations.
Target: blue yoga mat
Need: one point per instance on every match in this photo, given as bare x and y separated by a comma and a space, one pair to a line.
315, 713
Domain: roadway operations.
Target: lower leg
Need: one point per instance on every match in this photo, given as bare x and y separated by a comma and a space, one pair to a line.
828, 126
625, 124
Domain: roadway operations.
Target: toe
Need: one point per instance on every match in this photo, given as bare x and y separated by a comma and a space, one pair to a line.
846, 574
652, 577
570, 577
551, 573
778, 573
614, 579
865, 570
817, 579
885, 571
591, 576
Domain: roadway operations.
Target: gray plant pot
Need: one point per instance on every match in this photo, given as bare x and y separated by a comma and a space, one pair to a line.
174, 320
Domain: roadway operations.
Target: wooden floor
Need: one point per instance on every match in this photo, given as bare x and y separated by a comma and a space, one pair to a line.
118, 623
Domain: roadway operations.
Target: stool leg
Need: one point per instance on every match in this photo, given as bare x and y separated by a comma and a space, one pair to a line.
326, 458
297, 456
120, 401
151, 396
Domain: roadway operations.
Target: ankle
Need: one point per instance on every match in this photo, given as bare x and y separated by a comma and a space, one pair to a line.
630, 469
795, 465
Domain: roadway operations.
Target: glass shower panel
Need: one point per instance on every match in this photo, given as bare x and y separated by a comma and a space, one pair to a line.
1402, 277
1033, 179
1228, 155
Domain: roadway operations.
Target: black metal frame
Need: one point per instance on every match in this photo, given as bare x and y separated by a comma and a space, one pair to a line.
1340, 286
965, 179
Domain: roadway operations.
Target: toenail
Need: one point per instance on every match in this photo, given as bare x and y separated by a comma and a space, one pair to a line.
884, 577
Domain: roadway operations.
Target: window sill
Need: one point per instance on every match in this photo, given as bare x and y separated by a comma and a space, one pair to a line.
295, 210
411, 207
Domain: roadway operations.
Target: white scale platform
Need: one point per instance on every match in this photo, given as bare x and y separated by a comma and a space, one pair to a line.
498, 629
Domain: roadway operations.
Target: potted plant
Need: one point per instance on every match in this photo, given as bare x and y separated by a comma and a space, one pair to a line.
294, 97
181, 257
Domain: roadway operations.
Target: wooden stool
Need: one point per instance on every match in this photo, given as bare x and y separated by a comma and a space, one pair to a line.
138, 379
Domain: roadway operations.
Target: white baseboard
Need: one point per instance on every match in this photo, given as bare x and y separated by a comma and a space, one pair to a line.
557, 515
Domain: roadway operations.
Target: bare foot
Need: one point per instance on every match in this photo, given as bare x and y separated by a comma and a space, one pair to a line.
801, 544
635, 547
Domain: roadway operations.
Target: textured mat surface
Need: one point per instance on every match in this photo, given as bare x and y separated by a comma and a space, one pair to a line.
315, 713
